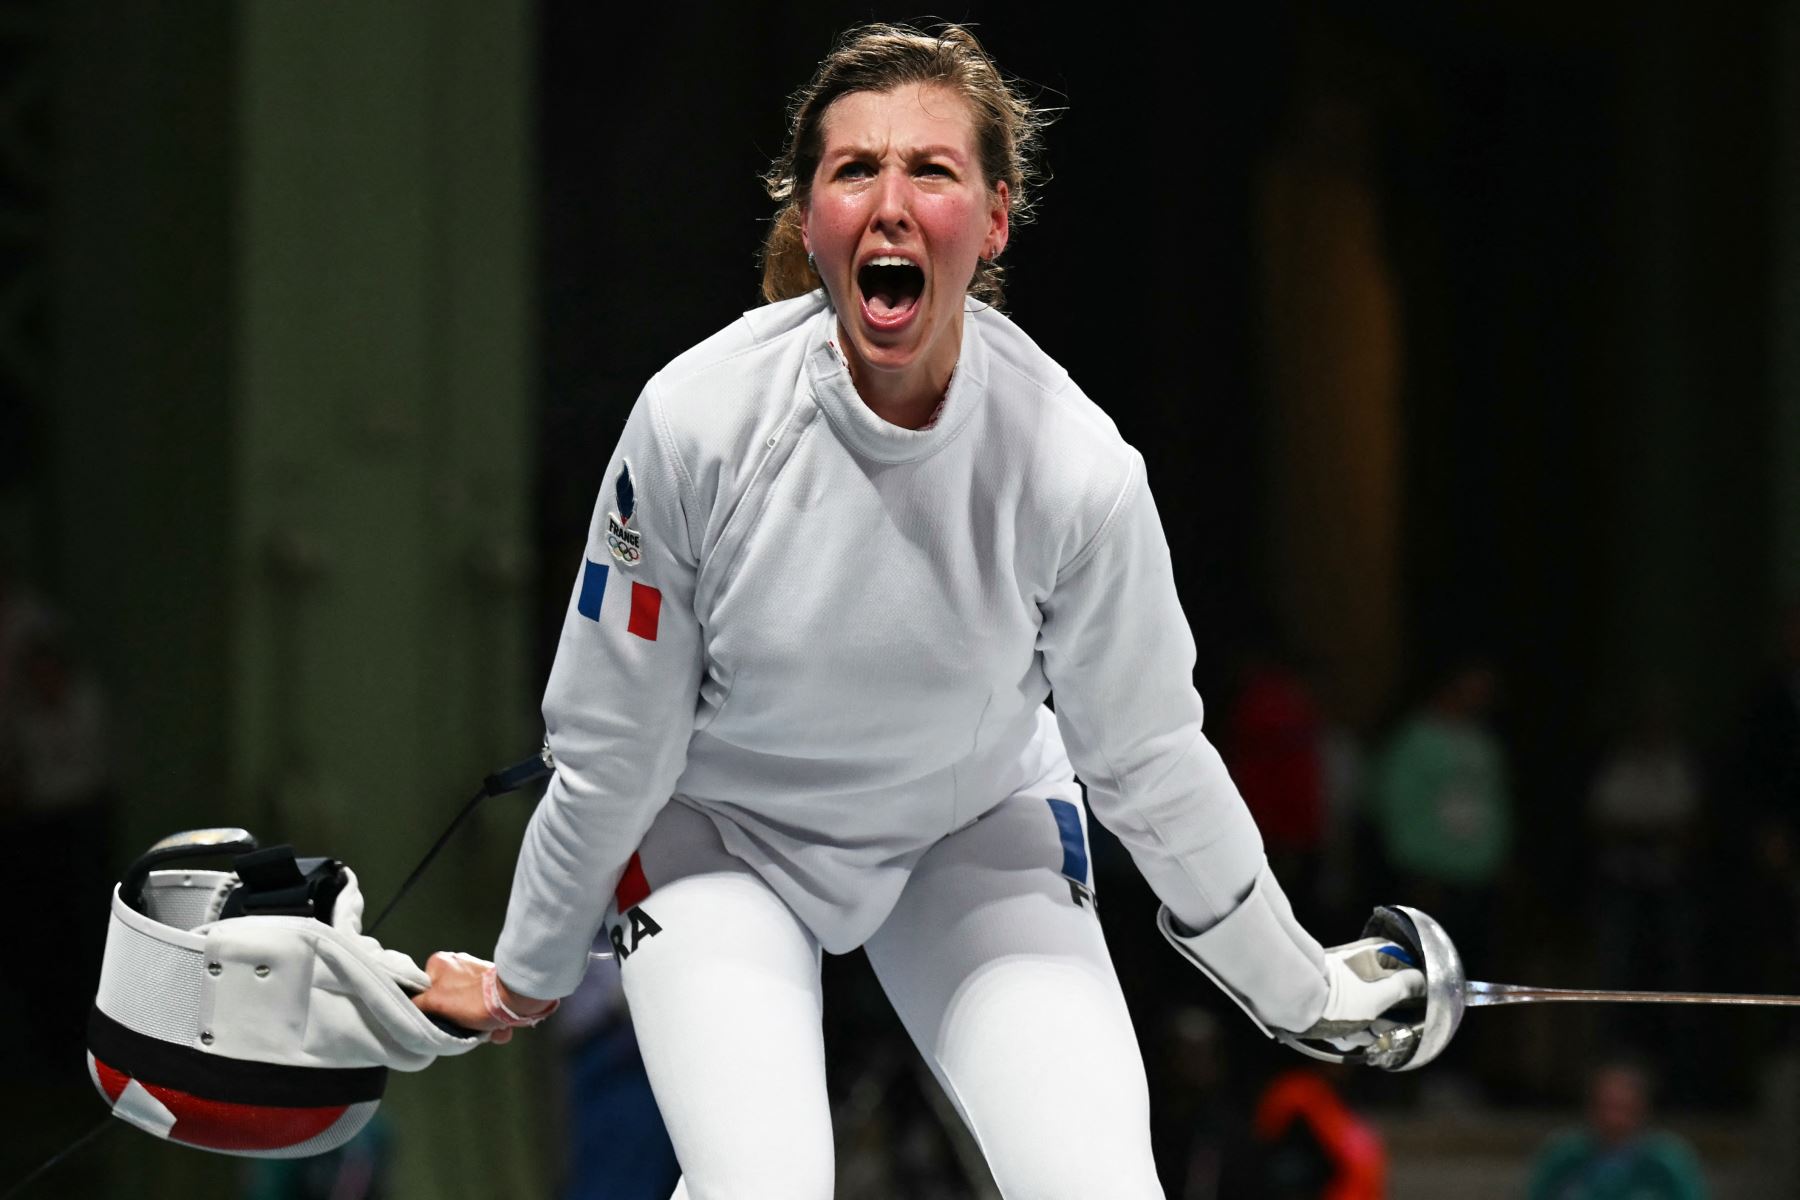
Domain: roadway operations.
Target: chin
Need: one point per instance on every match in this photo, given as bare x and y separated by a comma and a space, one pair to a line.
882, 357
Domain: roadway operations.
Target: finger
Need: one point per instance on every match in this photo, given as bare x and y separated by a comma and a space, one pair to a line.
1393, 989
1350, 949
1389, 954
442, 964
500, 1036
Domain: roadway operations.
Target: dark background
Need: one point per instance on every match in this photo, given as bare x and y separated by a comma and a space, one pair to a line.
1588, 217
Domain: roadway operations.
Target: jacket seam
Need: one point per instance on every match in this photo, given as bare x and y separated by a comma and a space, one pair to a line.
1120, 504
665, 439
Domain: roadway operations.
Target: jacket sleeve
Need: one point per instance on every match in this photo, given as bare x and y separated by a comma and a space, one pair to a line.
1120, 658
619, 709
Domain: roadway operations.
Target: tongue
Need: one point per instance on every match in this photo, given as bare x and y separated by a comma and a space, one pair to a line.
891, 303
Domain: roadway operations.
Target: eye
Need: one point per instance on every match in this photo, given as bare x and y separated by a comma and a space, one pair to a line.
939, 169
854, 170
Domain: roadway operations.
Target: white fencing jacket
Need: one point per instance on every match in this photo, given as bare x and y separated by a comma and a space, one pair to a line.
835, 637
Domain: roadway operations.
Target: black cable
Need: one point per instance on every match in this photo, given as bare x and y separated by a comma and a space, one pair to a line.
510, 779
106, 1123
419, 870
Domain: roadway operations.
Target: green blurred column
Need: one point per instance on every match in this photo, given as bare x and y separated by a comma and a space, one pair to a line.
293, 468
379, 533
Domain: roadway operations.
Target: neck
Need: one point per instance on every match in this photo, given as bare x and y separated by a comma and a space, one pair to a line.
907, 398
909, 407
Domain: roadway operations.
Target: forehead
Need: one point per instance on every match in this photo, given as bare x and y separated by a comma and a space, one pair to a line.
912, 114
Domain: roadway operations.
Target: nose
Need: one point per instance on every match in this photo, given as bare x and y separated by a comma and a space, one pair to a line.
892, 212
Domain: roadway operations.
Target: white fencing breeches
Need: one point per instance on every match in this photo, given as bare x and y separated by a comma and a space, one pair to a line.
994, 962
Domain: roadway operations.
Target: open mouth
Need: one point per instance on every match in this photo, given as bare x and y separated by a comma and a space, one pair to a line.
891, 287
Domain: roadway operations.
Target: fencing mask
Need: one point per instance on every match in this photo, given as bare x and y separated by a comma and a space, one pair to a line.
244, 1011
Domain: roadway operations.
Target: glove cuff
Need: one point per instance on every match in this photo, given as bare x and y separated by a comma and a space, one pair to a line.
1259, 955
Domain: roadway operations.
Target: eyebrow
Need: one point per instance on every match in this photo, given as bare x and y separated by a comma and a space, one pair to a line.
856, 149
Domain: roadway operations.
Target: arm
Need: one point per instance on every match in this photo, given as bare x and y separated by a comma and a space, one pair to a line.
1120, 657
619, 710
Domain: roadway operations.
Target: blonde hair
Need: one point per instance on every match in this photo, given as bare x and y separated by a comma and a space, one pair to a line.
880, 58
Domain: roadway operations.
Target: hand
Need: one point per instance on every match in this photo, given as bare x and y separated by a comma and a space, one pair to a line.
1365, 982
455, 995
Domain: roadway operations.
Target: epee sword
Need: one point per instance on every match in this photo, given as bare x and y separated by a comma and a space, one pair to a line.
1415, 1033
1477, 994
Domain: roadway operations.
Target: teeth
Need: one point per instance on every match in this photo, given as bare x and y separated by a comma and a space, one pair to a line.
891, 260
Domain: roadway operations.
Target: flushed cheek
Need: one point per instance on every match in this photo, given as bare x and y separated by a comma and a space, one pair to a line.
835, 223
950, 225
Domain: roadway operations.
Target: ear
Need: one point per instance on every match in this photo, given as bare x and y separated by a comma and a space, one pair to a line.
999, 214
805, 211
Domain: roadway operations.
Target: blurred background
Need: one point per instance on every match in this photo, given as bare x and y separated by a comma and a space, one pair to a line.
1463, 344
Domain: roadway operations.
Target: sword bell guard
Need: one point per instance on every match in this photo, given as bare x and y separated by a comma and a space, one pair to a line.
1434, 1021
1412, 1034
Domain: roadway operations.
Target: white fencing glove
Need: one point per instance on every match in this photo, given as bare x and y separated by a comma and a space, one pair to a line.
1365, 980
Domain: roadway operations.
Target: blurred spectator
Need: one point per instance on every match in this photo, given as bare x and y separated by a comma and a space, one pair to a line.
56, 762
1192, 1116
1272, 745
1441, 803
618, 1147
360, 1169
1642, 808
1348, 844
1308, 1145
21, 615
1617, 1156
56, 734
896, 1135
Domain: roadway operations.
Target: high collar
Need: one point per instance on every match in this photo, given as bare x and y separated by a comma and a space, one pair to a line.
868, 434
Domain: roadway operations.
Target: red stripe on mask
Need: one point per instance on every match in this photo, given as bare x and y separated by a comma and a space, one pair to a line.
222, 1125
112, 1081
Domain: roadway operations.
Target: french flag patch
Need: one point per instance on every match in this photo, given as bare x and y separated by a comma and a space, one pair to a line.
646, 602
593, 590
646, 611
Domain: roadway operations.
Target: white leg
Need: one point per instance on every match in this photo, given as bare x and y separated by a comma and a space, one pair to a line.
1001, 975
725, 998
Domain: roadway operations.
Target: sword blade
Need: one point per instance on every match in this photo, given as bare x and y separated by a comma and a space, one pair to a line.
1477, 994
